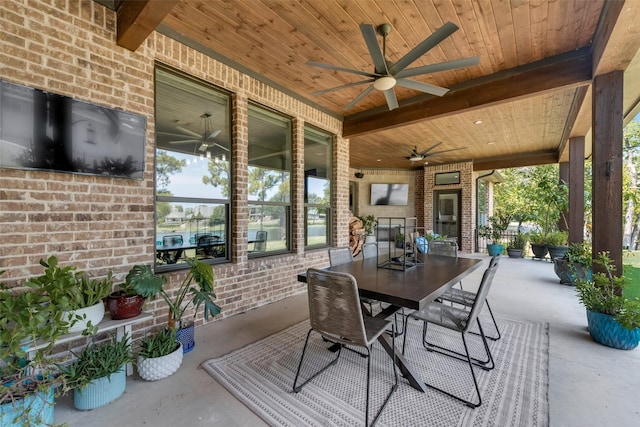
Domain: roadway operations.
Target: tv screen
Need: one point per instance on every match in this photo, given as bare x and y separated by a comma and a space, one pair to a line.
43, 130
390, 194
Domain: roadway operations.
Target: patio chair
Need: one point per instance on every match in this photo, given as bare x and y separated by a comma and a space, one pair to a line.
369, 250
260, 244
466, 299
335, 312
444, 248
458, 320
172, 257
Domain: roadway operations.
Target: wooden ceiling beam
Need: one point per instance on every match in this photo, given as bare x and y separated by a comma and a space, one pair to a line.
139, 18
516, 161
571, 69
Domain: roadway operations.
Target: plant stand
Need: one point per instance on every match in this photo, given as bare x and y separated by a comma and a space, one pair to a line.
186, 336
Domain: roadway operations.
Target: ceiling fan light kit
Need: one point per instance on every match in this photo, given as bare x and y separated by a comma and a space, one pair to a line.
387, 75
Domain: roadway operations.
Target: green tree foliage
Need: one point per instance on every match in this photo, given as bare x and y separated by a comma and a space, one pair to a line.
219, 176
630, 196
166, 165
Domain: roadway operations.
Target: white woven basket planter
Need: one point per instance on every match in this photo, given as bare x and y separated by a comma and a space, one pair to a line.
157, 368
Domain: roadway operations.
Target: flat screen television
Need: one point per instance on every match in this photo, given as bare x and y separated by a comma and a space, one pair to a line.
390, 194
43, 130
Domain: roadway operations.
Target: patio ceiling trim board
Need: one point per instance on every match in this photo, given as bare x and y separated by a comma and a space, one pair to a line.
571, 69
578, 99
516, 161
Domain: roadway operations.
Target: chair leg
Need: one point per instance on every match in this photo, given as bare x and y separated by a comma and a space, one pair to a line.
393, 388
486, 364
296, 389
495, 325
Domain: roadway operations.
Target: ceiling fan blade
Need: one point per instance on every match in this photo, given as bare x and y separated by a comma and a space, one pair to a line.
426, 151
434, 68
220, 146
422, 87
369, 35
444, 151
213, 134
410, 150
320, 92
427, 44
178, 135
392, 101
357, 99
189, 131
346, 70
185, 141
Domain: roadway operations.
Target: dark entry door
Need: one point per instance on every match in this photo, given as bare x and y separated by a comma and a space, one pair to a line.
447, 213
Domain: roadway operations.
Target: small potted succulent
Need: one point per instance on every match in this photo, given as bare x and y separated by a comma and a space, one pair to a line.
613, 319
78, 296
159, 356
99, 374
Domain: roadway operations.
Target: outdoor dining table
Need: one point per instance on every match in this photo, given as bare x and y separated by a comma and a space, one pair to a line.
412, 288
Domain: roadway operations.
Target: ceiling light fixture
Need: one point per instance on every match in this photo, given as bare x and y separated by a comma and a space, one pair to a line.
478, 122
384, 83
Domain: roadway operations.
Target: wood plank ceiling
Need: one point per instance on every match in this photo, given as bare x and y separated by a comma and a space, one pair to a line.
530, 89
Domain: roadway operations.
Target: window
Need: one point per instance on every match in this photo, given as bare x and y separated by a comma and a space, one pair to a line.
269, 182
317, 187
193, 158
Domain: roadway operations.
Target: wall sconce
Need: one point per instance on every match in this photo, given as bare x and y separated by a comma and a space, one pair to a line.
359, 175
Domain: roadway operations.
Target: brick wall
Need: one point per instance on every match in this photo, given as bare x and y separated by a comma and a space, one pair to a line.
102, 224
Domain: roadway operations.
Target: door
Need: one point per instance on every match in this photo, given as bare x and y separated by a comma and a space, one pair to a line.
446, 213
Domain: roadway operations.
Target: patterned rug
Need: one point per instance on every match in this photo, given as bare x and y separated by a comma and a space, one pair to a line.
513, 394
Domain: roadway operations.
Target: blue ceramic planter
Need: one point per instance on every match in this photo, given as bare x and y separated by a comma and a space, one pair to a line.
605, 330
37, 407
494, 249
101, 391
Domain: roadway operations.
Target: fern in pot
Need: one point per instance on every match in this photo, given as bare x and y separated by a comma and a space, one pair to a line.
613, 319
160, 355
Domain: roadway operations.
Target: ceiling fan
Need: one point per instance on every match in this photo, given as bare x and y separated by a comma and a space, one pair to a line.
387, 75
206, 139
416, 156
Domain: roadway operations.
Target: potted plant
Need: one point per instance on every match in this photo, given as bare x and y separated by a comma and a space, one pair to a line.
557, 244
78, 296
613, 319
127, 301
538, 245
99, 374
160, 355
399, 240
517, 245
575, 264
369, 224
195, 290
493, 233
28, 375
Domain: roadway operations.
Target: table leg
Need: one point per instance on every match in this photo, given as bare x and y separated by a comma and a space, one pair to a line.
407, 370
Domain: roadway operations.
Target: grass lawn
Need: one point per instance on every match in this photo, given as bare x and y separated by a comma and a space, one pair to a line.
631, 267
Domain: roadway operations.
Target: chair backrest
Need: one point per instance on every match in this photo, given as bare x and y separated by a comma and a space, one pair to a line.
340, 255
172, 240
443, 247
261, 241
370, 250
334, 306
483, 291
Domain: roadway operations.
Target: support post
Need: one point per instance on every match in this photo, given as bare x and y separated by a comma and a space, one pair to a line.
607, 166
576, 190
563, 175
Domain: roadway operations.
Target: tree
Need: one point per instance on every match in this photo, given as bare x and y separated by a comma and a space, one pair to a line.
166, 165
219, 176
630, 182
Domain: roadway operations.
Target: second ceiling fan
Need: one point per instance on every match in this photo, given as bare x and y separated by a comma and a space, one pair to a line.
387, 75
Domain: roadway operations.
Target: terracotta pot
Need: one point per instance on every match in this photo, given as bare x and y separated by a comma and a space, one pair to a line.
124, 306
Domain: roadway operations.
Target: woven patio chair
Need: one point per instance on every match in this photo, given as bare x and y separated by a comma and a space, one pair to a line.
335, 312
458, 320
466, 299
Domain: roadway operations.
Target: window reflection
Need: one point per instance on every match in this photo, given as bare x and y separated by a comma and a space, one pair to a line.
317, 187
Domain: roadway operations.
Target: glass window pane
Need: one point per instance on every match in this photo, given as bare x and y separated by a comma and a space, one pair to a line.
268, 226
317, 188
317, 220
193, 158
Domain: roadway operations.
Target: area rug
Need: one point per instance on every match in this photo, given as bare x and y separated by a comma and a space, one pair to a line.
514, 393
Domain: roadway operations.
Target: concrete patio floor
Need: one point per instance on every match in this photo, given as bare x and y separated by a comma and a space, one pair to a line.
590, 384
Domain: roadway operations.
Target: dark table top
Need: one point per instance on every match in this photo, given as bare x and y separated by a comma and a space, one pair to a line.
412, 288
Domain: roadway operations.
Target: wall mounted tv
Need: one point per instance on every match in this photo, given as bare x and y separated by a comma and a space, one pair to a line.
43, 130
390, 194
